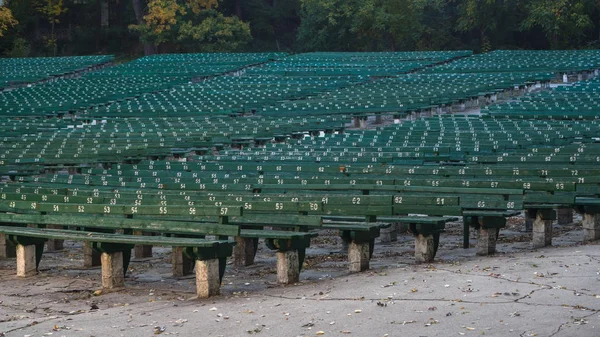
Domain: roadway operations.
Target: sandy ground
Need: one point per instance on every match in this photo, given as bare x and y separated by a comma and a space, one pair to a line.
517, 292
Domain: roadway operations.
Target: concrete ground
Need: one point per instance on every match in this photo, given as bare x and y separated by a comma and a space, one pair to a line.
553, 291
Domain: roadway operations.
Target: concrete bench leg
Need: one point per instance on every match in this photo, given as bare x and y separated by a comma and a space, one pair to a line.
208, 282
26, 263
244, 251
55, 244
389, 234
7, 248
112, 270
358, 256
288, 267
591, 226
542, 228
564, 216
486, 240
91, 257
142, 251
425, 248
181, 264
363, 123
529, 219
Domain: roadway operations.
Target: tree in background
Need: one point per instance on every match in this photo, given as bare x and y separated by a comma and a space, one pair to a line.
563, 22
121, 27
51, 10
388, 24
273, 23
193, 25
488, 23
360, 25
6, 20
327, 25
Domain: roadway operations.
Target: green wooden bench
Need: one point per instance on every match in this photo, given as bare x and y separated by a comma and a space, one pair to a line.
297, 242
426, 229
209, 255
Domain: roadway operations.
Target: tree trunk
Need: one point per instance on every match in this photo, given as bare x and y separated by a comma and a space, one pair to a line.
139, 16
238, 9
54, 40
104, 13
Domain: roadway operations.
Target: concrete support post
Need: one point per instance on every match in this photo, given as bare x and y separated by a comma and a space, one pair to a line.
591, 226
564, 216
424, 248
181, 265
208, 282
243, 251
26, 265
142, 251
55, 244
486, 241
529, 218
358, 256
288, 267
7, 248
91, 258
112, 270
542, 228
363, 123
389, 234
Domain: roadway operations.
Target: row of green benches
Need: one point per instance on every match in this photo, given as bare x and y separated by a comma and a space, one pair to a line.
291, 245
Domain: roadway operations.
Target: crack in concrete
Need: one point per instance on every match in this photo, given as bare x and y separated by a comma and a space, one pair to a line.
500, 277
34, 322
593, 257
343, 299
529, 295
565, 323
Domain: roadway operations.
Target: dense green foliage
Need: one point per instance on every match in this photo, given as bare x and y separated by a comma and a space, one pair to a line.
123, 27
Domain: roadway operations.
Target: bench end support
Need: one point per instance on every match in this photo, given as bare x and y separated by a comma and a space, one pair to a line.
112, 270
26, 260
358, 256
591, 226
207, 278
288, 267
